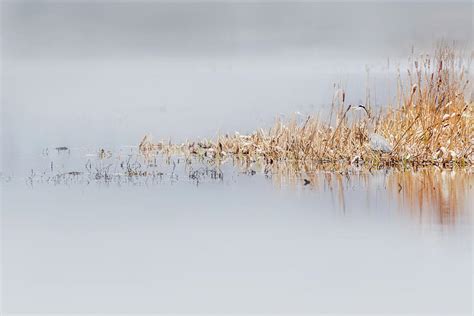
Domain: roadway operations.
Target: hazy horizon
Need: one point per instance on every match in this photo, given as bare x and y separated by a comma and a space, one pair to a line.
109, 29
91, 223
97, 73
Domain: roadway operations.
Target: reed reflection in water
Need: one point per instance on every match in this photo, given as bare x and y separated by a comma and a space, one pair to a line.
376, 240
431, 194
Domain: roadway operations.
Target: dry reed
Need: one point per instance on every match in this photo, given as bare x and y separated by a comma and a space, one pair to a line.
430, 124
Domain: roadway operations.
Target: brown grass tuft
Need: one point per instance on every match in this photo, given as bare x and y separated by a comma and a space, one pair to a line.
431, 124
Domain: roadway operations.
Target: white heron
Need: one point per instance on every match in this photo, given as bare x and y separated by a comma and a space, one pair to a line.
376, 141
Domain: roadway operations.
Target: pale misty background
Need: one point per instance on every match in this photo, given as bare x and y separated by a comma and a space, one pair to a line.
101, 73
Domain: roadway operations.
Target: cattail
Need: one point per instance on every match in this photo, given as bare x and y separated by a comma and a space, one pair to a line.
441, 122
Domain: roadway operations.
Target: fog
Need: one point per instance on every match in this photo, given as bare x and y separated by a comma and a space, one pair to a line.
81, 73
107, 30
89, 75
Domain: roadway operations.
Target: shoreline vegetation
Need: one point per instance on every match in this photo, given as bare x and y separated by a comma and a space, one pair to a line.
429, 195
430, 124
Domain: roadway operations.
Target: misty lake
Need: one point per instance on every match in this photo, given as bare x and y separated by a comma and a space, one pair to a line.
82, 234
90, 225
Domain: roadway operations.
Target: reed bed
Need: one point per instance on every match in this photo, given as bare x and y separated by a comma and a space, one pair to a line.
429, 195
430, 123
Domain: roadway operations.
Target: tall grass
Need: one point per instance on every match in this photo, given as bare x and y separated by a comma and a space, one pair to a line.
431, 123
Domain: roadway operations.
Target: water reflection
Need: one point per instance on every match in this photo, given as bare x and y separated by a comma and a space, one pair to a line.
439, 195
428, 195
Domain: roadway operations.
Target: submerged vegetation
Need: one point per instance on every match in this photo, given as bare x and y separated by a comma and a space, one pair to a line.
404, 149
430, 194
430, 124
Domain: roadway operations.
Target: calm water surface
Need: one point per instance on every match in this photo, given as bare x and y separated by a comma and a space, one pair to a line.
89, 234
80, 235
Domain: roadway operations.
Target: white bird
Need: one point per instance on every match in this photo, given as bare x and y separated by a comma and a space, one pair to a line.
376, 141
379, 143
